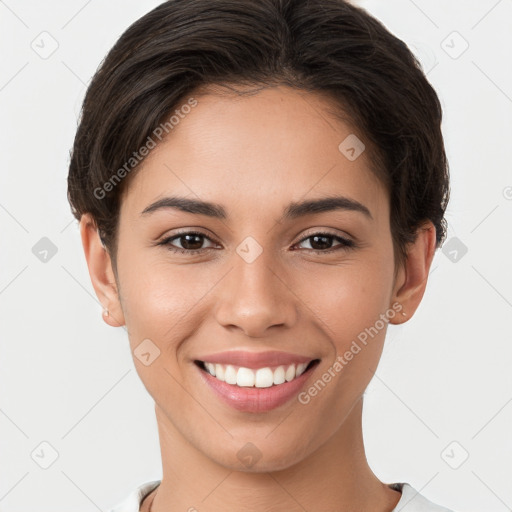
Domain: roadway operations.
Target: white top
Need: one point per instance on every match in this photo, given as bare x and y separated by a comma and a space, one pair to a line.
411, 500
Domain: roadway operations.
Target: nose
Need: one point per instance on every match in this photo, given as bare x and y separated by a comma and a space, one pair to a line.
255, 297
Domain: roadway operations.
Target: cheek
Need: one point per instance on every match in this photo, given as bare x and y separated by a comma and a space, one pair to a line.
158, 301
156, 295
350, 298
158, 304
349, 305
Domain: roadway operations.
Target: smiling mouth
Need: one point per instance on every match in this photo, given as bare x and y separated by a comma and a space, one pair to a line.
264, 377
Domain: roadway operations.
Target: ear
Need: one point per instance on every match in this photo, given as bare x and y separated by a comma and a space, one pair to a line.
100, 271
412, 277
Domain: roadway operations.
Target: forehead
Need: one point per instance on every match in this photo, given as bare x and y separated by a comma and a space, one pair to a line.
257, 150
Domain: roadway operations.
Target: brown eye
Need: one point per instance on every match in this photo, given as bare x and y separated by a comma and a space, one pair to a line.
323, 243
191, 242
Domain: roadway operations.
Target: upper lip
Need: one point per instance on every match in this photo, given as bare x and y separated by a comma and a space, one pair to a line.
255, 359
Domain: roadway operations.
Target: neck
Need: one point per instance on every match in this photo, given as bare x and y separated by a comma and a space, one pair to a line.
334, 477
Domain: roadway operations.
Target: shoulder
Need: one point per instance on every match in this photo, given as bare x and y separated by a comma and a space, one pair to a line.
413, 501
134, 499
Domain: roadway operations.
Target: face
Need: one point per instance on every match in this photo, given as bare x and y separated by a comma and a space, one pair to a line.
253, 273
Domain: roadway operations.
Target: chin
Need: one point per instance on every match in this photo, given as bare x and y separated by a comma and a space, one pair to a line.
259, 457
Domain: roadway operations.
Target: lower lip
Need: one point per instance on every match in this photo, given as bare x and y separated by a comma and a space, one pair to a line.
252, 399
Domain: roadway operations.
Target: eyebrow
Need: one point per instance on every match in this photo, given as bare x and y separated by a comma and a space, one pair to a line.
292, 211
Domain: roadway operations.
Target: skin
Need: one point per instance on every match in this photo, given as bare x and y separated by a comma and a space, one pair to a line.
254, 155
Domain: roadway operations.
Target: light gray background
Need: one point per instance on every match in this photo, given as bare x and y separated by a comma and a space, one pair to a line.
443, 390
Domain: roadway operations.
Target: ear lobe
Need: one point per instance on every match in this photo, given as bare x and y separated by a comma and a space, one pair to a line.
100, 271
412, 281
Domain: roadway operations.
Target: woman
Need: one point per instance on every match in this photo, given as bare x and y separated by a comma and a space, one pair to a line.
261, 188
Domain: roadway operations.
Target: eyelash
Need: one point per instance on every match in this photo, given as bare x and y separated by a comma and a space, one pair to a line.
345, 244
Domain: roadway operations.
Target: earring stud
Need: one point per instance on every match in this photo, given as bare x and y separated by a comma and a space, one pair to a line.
106, 313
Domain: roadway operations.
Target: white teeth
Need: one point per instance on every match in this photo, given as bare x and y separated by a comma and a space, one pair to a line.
245, 377
279, 375
290, 373
211, 368
230, 374
219, 372
264, 377
301, 368
260, 378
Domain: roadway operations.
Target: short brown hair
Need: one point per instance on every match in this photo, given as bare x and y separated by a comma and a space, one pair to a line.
324, 46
